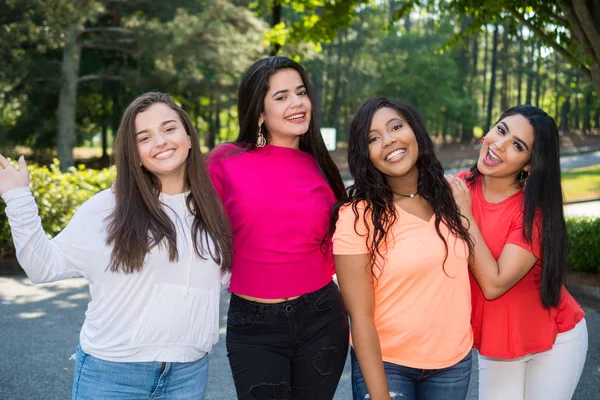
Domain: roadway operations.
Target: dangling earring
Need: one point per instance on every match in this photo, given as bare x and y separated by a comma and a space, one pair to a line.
523, 178
260, 140
481, 141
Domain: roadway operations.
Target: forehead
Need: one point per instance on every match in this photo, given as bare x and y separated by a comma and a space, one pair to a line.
383, 115
520, 127
155, 115
285, 79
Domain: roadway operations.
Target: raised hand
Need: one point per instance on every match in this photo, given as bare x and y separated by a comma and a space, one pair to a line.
10, 178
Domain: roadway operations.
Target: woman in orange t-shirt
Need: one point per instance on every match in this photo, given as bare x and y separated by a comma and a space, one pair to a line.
401, 257
529, 331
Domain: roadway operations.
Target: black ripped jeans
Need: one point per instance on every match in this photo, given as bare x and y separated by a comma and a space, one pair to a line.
291, 350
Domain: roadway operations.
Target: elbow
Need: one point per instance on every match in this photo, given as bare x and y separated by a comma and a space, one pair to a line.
492, 292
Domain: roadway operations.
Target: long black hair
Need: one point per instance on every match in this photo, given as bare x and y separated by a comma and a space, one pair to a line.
251, 103
371, 188
543, 193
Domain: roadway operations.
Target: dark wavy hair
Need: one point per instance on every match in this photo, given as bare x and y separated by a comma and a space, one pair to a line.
543, 193
251, 103
139, 222
371, 187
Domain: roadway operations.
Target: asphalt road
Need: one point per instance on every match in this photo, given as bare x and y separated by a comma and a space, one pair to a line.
39, 331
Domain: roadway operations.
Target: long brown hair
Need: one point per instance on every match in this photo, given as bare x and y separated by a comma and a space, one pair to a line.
139, 223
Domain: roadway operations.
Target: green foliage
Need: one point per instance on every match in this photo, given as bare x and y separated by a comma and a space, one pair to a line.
59, 195
584, 244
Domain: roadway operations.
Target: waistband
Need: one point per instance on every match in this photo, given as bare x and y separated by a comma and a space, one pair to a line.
242, 304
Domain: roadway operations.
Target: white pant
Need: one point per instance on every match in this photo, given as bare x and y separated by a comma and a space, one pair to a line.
550, 375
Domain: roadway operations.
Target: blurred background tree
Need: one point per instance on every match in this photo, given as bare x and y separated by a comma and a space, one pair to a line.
70, 67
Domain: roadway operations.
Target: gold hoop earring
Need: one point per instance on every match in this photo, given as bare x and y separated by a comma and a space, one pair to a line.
260, 140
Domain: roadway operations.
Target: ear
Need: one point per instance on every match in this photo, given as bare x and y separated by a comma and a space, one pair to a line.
527, 167
189, 142
261, 120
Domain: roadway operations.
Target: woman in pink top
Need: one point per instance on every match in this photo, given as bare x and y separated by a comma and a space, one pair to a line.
530, 333
287, 329
401, 257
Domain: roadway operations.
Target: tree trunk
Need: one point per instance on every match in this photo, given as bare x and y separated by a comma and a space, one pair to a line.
577, 111
275, 19
67, 100
490, 104
538, 77
587, 113
485, 70
520, 68
529, 89
556, 86
336, 104
564, 116
504, 71
104, 142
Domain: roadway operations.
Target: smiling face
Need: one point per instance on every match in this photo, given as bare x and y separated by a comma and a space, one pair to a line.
506, 149
162, 142
393, 147
287, 109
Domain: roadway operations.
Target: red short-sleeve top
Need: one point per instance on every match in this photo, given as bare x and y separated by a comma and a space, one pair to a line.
516, 323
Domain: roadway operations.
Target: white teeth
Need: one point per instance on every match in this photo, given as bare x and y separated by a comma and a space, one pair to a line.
394, 154
493, 156
164, 154
298, 116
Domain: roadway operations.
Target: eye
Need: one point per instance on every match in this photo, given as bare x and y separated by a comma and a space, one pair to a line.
170, 129
302, 93
396, 127
144, 139
501, 130
280, 98
372, 139
518, 146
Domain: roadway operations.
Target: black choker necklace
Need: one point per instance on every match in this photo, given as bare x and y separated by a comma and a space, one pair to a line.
411, 195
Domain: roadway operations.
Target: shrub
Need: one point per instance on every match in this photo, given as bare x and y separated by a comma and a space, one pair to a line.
584, 244
59, 195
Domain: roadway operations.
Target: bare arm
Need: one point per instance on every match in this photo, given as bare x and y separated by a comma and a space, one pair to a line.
494, 277
356, 284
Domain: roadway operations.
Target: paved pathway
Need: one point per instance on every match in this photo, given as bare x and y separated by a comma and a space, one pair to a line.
39, 330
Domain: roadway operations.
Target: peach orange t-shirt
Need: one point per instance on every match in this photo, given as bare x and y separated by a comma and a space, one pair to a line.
422, 307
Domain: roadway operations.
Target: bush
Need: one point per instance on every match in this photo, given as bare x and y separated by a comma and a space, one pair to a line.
584, 244
59, 195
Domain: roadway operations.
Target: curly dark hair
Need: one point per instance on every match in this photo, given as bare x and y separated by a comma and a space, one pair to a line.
370, 185
543, 193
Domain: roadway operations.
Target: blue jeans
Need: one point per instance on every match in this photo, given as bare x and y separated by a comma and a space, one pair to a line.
408, 383
97, 379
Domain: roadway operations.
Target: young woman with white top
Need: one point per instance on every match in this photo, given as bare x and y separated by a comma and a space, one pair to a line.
155, 253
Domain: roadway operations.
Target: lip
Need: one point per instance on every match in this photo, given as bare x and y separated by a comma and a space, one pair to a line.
396, 155
290, 118
163, 155
489, 161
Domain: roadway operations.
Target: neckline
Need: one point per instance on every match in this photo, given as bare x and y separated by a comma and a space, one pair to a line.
481, 197
421, 220
270, 149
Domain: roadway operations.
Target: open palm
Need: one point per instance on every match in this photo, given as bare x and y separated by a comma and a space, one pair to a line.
11, 178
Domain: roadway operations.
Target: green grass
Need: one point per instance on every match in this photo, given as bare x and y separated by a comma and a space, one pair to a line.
581, 183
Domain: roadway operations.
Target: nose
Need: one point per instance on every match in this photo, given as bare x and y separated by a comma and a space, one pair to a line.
160, 139
296, 101
388, 139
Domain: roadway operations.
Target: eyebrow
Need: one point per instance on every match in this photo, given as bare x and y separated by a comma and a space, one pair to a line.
387, 123
518, 139
286, 90
163, 124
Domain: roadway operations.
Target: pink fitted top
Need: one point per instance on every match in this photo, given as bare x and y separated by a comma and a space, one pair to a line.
279, 205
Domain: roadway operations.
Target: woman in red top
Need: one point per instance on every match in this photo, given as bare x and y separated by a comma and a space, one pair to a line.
529, 331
